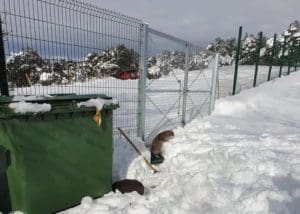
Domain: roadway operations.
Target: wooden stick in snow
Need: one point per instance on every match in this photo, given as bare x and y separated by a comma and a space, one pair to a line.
136, 149
28, 79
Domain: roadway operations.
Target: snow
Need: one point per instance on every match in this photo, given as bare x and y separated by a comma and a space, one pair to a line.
270, 42
26, 107
98, 103
287, 33
262, 52
293, 28
109, 66
45, 76
12, 56
154, 70
244, 158
296, 35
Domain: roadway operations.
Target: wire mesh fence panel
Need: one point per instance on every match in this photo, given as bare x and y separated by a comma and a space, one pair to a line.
166, 58
70, 47
165, 76
225, 81
275, 72
199, 83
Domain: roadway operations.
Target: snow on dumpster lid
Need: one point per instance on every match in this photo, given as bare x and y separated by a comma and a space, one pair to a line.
54, 104
25, 107
98, 103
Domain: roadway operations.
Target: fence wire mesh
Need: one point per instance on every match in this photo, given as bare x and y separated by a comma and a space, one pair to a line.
199, 83
164, 85
278, 57
59, 47
167, 104
70, 47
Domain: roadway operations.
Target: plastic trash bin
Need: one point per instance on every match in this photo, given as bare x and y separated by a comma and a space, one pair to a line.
50, 160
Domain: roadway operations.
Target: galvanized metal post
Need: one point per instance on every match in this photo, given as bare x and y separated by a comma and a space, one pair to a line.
282, 55
214, 79
237, 59
257, 57
179, 102
185, 84
272, 56
142, 81
3, 75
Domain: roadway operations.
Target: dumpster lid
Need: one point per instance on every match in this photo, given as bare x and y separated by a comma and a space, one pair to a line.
28, 105
52, 98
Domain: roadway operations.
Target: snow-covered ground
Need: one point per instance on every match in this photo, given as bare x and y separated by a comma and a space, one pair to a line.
163, 103
245, 77
244, 158
164, 95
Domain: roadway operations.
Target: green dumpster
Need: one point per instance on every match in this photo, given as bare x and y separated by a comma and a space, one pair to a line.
50, 160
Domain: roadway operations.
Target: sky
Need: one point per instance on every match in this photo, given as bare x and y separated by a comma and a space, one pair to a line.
202, 21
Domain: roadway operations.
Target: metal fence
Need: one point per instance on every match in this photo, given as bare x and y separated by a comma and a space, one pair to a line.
177, 85
282, 59
53, 47
70, 47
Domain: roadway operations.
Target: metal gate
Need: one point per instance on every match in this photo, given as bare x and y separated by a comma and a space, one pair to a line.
179, 82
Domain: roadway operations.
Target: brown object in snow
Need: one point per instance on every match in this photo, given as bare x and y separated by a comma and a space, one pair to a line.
125, 186
159, 140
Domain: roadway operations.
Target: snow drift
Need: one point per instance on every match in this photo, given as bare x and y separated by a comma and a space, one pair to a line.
245, 158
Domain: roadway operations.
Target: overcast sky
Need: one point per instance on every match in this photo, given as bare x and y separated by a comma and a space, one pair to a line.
201, 21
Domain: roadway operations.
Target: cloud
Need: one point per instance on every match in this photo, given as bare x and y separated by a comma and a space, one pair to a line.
202, 21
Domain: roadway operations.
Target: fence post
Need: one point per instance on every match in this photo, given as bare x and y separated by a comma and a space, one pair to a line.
290, 57
296, 54
272, 56
214, 79
3, 75
257, 57
179, 102
282, 55
142, 81
237, 59
185, 84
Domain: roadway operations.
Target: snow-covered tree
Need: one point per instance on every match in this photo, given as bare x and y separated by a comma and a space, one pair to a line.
25, 67
226, 49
